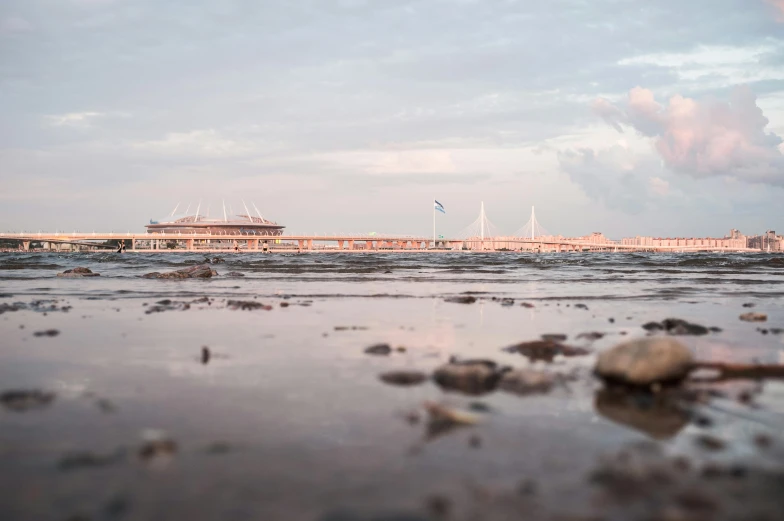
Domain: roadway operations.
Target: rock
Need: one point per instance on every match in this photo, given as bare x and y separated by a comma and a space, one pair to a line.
527, 305
205, 355
201, 271
506, 302
247, 305
403, 377
462, 299
591, 336
167, 305
156, 444
284, 304
710, 443
748, 304
47, 332
379, 350
468, 376
753, 317
645, 361
580, 306
78, 272
526, 381
676, 326
545, 350
443, 419
25, 400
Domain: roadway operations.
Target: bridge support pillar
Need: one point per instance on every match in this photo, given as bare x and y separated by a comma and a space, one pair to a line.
253, 244
340, 245
310, 244
133, 244
350, 245
189, 244
25, 245
301, 244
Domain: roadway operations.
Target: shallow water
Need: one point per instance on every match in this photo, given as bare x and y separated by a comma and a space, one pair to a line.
289, 420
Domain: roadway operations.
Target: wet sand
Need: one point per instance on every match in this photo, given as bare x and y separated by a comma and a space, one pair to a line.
287, 417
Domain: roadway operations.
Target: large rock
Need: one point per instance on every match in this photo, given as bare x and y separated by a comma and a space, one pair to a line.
78, 272
201, 271
645, 361
468, 376
526, 381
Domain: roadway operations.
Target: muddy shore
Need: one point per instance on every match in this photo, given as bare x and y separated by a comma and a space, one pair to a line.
256, 398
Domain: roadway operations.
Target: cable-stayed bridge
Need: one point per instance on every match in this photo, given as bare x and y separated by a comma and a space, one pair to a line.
480, 235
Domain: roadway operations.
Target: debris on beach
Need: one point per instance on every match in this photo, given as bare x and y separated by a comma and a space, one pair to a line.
350, 328
545, 350
468, 376
555, 337
507, 302
580, 306
749, 304
403, 377
247, 305
751, 316
645, 361
24, 400
78, 272
443, 419
205, 355
156, 444
16, 306
676, 326
167, 305
379, 349
235, 274
461, 299
201, 271
47, 332
526, 381
590, 336
527, 305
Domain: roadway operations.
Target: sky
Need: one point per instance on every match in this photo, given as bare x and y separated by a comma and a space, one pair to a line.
627, 117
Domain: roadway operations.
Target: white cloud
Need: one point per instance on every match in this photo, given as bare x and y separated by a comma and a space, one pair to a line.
204, 143
73, 119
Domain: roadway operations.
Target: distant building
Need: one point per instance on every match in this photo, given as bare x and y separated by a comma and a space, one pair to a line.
237, 225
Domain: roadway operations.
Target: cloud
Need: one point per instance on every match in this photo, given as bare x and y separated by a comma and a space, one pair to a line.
614, 176
704, 138
779, 4
202, 143
73, 119
658, 186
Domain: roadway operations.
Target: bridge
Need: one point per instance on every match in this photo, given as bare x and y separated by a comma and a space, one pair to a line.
480, 235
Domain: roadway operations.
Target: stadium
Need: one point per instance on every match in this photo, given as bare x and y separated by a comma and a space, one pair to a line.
238, 224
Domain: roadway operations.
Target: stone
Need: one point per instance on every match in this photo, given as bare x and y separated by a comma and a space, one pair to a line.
468, 376
645, 361
555, 337
462, 299
403, 377
235, 274
754, 317
378, 350
590, 336
25, 400
247, 305
201, 271
47, 332
545, 350
676, 326
526, 381
78, 272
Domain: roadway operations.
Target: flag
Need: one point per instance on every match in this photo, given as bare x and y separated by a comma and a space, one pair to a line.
439, 207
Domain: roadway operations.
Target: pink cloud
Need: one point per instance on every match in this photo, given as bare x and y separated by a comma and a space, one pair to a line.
704, 138
779, 4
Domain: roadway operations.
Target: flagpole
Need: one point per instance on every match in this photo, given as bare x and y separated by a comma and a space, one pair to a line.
434, 222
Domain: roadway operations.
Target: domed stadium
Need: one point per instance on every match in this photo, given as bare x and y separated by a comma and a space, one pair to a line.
226, 224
